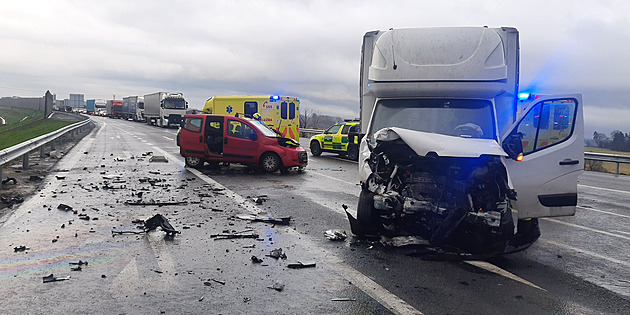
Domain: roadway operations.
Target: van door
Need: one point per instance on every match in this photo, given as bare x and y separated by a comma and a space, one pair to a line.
192, 142
552, 138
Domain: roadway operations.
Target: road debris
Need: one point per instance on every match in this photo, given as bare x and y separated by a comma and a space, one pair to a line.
35, 178
335, 235
52, 278
9, 179
158, 158
277, 253
77, 268
155, 203
232, 236
278, 286
344, 299
12, 201
20, 248
256, 260
218, 281
80, 262
301, 265
161, 221
64, 207
253, 218
400, 241
260, 199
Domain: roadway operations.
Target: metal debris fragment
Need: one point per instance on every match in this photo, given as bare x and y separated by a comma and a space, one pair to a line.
278, 286
52, 278
277, 253
301, 265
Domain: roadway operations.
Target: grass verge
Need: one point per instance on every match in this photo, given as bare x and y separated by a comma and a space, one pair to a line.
36, 129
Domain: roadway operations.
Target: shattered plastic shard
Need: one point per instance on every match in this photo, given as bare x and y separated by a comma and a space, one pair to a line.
335, 235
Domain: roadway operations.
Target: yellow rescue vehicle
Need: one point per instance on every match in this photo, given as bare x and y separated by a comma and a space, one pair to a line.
281, 113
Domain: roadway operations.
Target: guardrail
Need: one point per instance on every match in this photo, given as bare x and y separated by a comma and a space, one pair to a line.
309, 132
607, 157
24, 148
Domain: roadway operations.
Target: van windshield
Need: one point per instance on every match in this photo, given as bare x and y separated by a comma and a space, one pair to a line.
264, 129
451, 117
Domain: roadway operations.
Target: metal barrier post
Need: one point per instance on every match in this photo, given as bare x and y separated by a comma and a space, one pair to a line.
41, 152
0, 176
617, 174
25, 161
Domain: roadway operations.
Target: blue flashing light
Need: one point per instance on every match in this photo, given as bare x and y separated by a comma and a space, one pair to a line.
275, 97
523, 96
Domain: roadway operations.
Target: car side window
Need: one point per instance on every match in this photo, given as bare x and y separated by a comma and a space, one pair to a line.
333, 129
546, 124
240, 130
193, 124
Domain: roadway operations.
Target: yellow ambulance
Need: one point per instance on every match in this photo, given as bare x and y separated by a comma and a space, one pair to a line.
281, 113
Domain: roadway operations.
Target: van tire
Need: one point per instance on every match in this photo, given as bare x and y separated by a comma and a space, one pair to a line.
316, 149
366, 213
194, 161
270, 162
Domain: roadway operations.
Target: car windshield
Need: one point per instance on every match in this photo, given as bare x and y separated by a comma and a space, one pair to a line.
264, 129
451, 117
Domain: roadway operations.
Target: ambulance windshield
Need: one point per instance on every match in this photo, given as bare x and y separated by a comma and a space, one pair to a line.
264, 129
451, 117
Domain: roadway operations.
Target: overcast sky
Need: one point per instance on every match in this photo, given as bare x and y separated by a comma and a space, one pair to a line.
309, 49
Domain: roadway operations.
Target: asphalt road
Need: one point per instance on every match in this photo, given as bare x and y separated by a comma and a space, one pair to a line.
579, 266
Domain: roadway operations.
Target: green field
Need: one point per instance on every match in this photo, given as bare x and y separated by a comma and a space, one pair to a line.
609, 167
16, 117
25, 124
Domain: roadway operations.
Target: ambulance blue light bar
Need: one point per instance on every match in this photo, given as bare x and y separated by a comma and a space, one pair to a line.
275, 97
524, 95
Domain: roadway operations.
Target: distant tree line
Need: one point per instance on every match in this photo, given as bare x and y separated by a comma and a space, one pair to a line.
618, 141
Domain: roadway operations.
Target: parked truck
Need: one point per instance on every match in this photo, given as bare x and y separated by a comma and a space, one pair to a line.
448, 151
164, 108
114, 108
139, 115
90, 107
130, 107
100, 107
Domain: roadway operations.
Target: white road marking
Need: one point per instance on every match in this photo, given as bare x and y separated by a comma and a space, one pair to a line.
367, 285
606, 212
586, 252
170, 139
330, 177
586, 228
606, 189
622, 232
492, 268
127, 154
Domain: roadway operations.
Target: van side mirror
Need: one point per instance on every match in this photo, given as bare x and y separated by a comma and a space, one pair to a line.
513, 146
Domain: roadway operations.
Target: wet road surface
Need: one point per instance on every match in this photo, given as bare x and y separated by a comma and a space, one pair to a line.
578, 266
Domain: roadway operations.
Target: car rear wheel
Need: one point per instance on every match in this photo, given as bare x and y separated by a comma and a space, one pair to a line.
270, 162
194, 161
316, 150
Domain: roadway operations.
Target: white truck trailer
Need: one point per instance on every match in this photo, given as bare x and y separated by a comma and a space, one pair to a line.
448, 150
164, 108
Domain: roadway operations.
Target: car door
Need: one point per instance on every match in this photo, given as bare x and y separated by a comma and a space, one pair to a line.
328, 141
240, 143
552, 138
192, 142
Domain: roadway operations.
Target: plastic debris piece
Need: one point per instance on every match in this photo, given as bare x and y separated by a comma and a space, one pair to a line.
335, 235
301, 265
278, 286
20, 248
64, 207
256, 260
161, 221
52, 278
253, 218
158, 158
80, 262
77, 268
218, 281
277, 253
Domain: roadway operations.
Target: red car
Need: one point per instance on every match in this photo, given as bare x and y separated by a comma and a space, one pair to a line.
220, 138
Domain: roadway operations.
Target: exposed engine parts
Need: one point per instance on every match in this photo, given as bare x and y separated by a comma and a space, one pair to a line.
451, 201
